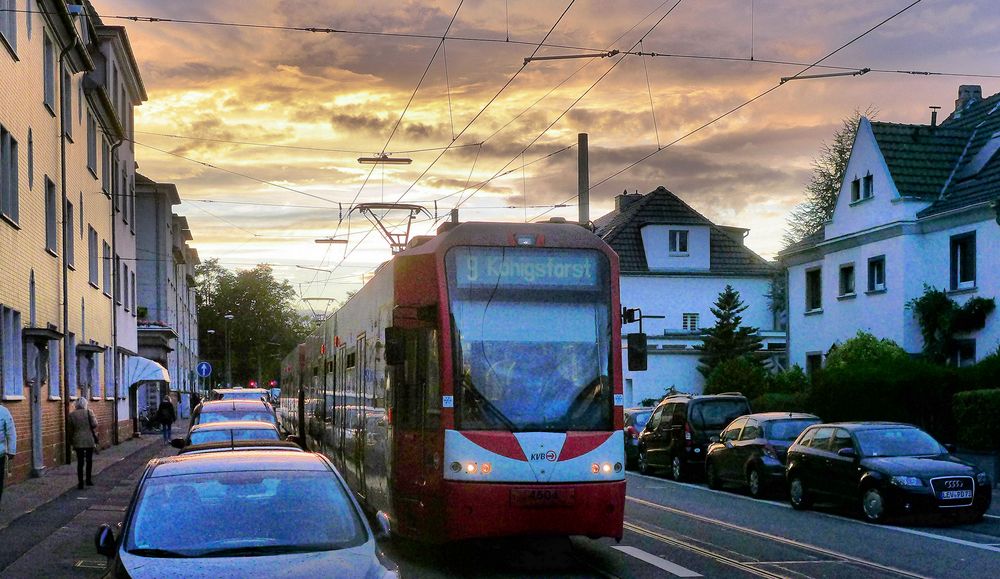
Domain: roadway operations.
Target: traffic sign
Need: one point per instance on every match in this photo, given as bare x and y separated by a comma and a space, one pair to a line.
204, 369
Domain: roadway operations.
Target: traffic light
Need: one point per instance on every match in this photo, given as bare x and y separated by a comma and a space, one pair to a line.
253, 383
637, 352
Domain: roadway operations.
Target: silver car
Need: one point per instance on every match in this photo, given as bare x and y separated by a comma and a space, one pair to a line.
267, 513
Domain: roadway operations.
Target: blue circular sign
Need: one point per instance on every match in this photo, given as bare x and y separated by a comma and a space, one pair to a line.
204, 369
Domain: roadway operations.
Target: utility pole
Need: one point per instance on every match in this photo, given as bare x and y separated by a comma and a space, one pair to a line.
583, 186
229, 359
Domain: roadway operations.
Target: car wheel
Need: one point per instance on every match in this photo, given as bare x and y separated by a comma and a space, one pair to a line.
677, 470
797, 494
755, 486
644, 462
873, 505
712, 476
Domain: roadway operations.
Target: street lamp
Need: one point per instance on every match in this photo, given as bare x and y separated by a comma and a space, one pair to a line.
229, 360
210, 332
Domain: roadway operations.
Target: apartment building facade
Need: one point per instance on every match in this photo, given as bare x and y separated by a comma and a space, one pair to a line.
68, 84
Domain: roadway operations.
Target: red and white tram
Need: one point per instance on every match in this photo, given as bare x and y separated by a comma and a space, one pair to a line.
472, 388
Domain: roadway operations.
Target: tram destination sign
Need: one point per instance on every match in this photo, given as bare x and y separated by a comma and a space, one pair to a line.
489, 267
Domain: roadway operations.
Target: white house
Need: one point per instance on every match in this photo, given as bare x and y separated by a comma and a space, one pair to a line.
918, 206
674, 263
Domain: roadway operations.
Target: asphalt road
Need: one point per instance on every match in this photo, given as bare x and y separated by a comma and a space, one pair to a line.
672, 530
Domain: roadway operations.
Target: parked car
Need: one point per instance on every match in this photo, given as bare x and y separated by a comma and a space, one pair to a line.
233, 410
242, 394
886, 469
678, 432
228, 433
751, 451
270, 513
635, 421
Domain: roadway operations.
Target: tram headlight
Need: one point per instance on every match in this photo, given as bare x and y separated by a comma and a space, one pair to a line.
606, 468
595, 468
618, 467
470, 468
486, 468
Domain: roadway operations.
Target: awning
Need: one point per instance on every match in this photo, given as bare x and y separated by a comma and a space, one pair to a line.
139, 369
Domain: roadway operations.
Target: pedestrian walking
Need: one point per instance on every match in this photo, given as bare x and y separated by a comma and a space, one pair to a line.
82, 428
166, 414
195, 400
8, 444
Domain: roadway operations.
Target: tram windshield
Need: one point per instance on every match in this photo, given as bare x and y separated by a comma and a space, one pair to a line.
531, 335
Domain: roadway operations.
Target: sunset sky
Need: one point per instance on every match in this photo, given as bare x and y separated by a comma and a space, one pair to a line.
320, 100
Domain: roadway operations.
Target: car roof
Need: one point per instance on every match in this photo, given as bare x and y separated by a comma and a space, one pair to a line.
700, 397
866, 425
780, 416
237, 460
641, 409
231, 424
252, 445
223, 405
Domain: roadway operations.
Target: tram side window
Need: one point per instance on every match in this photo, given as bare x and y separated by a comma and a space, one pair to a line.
418, 397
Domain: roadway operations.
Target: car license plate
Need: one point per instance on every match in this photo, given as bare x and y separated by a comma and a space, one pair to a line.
542, 498
948, 495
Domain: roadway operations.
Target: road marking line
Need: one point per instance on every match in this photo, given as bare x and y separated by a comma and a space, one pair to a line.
655, 561
701, 551
945, 538
769, 536
796, 562
708, 490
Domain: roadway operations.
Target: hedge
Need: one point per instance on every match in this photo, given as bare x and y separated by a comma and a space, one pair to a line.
780, 402
977, 415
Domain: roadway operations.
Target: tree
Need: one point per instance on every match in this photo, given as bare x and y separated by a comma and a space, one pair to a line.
940, 318
265, 324
728, 339
741, 374
862, 349
809, 216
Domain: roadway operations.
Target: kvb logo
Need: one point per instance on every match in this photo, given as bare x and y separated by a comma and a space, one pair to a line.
549, 456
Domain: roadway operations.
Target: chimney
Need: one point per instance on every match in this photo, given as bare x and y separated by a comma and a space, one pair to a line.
934, 111
625, 199
968, 94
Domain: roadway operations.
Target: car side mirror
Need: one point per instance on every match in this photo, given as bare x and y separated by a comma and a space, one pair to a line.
847, 453
295, 439
104, 541
382, 527
177, 443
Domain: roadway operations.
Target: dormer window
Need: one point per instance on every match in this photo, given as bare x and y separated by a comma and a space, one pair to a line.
855, 190
678, 241
867, 187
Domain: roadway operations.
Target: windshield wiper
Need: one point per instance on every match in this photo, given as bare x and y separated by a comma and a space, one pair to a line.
255, 550
164, 553
484, 402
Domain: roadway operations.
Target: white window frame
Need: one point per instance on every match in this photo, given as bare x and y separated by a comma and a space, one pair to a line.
51, 218
9, 194
840, 280
876, 269
678, 241
94, 272
956, 244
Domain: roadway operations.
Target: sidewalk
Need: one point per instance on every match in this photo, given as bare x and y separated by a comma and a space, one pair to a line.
24, 497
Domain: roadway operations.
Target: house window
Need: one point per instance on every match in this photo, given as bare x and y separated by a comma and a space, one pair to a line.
70, 240
72, 385
11, 352
867, 187
67, 104
109, 374
117, 280
876, 274
8, 23
108, 264
855, 190
814, 289
847, 279
51, 237
963, 261
91, 144
93, 256
54, 370
49, 70
105, 166
678, 241
814, 362
690, 321
31, 160
134, 308
8, 176
964, 354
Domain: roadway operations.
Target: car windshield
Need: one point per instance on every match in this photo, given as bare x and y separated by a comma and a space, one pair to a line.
641, 418
532, 336
235, 415
230, 435
786, 430
897, 442
244, 513
716, 414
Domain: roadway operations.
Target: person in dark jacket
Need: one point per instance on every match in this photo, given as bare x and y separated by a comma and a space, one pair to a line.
82, 427
166, 414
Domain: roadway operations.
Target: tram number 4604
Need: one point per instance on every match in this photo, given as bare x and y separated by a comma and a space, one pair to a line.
543, 497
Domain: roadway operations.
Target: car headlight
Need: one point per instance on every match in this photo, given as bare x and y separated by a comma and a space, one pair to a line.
907, 481
982, 478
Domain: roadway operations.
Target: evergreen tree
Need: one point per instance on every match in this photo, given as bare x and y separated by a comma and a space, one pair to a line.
728, 340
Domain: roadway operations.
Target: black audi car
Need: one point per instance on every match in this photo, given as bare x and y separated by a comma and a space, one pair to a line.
886, 469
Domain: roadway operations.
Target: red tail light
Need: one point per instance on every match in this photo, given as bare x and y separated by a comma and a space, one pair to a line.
687, 435
632, 432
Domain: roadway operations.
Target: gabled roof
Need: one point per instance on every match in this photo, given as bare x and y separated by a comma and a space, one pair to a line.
622, 231
919, 157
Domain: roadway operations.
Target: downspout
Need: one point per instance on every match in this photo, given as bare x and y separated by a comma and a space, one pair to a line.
68, 458
115, 275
